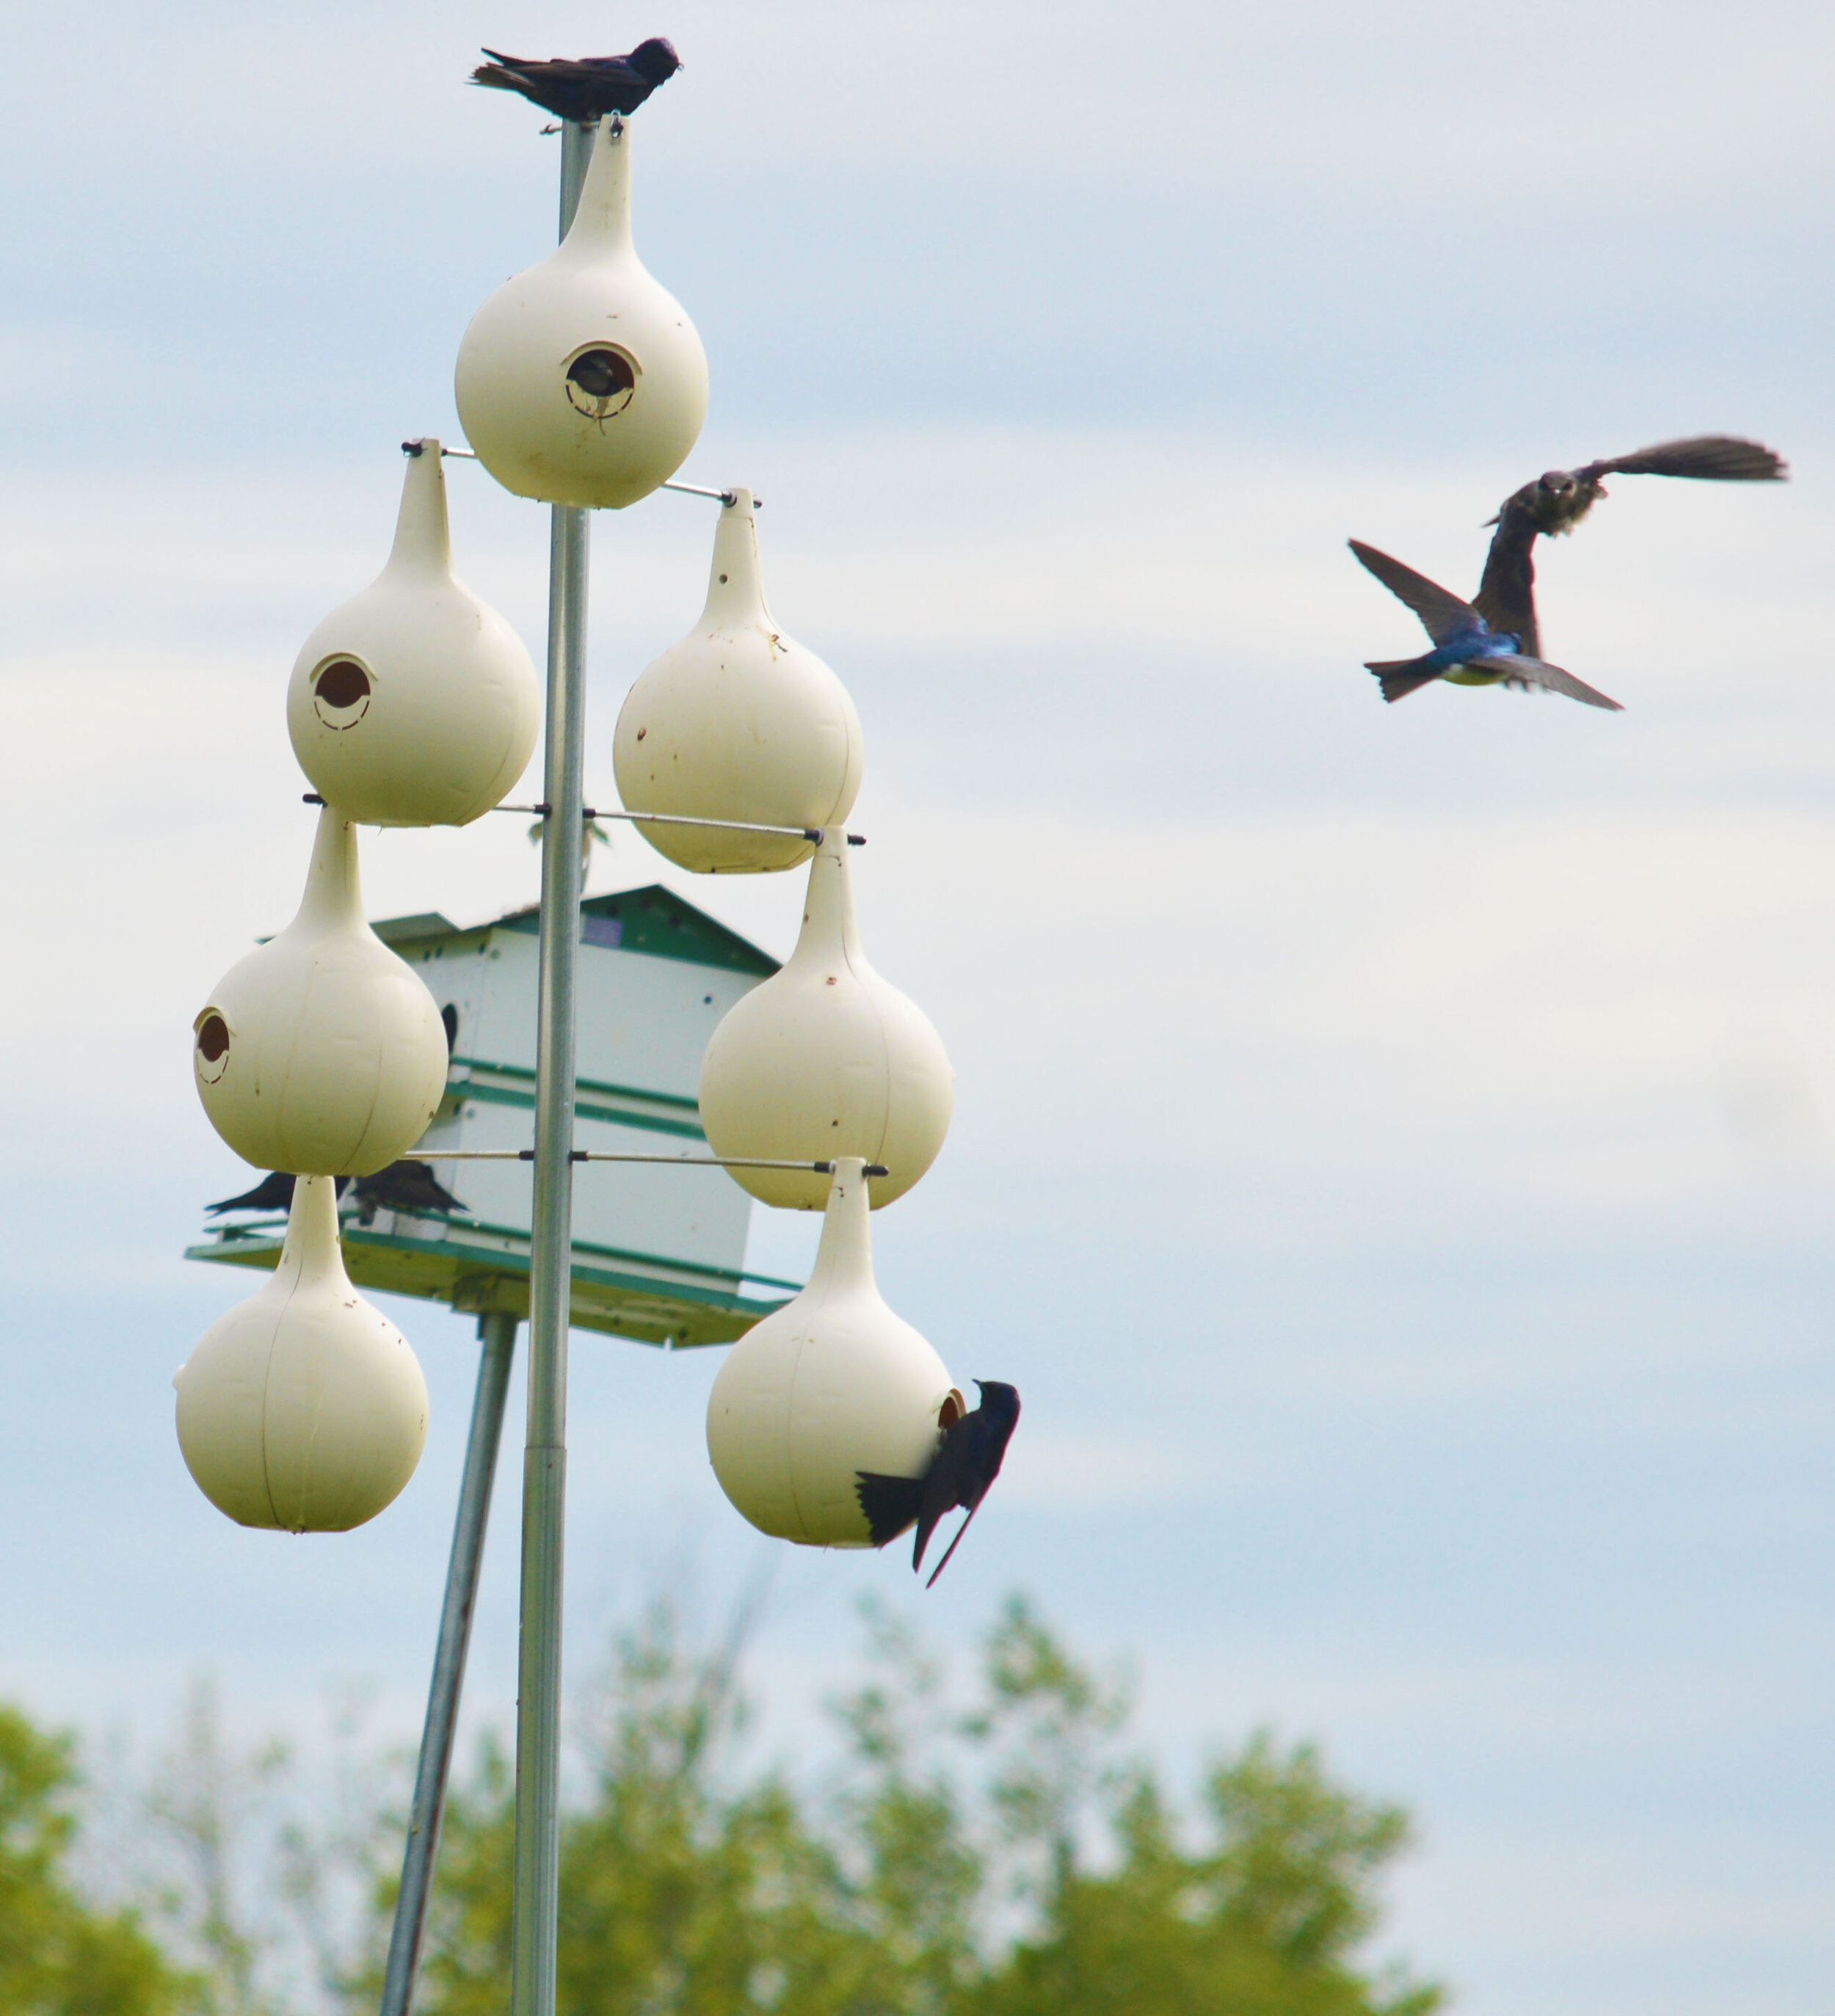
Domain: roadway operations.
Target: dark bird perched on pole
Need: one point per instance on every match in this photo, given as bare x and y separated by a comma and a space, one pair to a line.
588, 89
1466, 649
273, 1192
404, 1186
967, 1460
1556, 501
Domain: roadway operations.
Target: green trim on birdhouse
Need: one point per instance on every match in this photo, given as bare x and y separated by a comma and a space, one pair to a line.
654, 921
590, 1085
406, 930
657, 921
480, 1091
647, 1303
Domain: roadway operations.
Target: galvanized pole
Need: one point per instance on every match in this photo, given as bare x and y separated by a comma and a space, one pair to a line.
536, 1902
498, 1334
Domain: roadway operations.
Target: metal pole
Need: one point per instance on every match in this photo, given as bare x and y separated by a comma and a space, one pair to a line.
499, 1335
536, 1900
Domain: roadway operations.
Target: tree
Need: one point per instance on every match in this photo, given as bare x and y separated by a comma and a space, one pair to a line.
683, 1890
1002, 1860
60, 1956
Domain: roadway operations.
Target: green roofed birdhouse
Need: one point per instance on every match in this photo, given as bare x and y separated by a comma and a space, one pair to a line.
659, 1254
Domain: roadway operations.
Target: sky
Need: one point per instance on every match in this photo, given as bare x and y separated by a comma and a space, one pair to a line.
1394, 1148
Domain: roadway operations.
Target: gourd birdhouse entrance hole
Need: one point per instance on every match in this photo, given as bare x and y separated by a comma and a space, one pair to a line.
414, 704
659, 1255
583, 381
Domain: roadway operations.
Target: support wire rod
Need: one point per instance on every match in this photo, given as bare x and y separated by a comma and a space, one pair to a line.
665, 1162
497, 1336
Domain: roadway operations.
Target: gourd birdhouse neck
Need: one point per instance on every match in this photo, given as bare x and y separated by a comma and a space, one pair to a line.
424, 543
830, 936
735, 586
333, 899
601, 226
844, 1258
311, 1253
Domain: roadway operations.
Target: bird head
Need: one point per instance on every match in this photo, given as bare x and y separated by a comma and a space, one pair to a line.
998, 1399
655, 59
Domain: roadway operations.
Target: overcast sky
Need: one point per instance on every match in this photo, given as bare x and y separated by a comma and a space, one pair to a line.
1395, 1148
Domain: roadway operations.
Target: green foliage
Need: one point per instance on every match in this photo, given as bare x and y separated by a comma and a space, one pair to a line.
997, 1855
998, 1860
60, 1956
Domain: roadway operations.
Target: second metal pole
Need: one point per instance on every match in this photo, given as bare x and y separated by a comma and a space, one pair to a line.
497, 1334
536, 1899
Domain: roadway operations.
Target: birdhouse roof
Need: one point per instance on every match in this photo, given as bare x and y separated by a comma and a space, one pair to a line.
653, 921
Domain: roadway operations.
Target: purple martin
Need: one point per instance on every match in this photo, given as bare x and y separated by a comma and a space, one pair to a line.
588, 89
404, 1186
968, 1456
273, 1192
1557, 501
1466, 649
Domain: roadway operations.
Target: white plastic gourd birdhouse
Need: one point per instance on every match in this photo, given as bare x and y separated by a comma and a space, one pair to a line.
581, 381
826, 1059
321, 1052
414, 704
737, 722
303, 1408
829, 1385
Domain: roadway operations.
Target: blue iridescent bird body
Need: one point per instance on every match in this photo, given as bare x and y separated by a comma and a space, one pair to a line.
1466, 650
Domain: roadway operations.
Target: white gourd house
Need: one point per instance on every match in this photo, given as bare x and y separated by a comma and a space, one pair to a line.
659, 1254
406, 1082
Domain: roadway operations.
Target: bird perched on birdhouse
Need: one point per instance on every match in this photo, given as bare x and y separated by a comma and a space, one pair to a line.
967, 1462
585, 88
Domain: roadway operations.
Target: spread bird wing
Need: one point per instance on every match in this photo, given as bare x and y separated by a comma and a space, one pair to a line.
1442, 614
1536, 672
1506, 595
1710, 457
892, 1504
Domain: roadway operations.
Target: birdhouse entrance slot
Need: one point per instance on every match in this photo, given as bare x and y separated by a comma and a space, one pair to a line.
600, 381
213, 1045
341, 694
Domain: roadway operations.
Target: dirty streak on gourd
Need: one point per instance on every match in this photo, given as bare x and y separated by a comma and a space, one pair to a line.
414, 703
832, 1383
737, 722
322, 1052
303, 1408
826, 1059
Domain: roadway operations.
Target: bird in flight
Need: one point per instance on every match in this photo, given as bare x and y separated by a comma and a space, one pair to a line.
1466, 649
967, 1460
1557, 501
589, 89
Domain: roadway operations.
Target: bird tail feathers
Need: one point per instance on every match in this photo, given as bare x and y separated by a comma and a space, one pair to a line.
1400, 677
890, 1504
